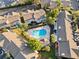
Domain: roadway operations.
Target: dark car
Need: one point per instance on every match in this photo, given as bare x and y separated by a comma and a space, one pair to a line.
1, 52
78, 43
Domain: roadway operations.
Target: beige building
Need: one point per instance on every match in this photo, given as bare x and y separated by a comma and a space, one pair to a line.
13, 44
29, 16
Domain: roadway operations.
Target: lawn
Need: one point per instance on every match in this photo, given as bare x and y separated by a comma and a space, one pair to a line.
49, 55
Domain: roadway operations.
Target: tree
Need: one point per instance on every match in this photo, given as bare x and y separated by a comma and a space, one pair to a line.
75, 16
21, 18
23, 26
21, 29
46, 6
22, 1
59, 3
76, 13
48, 55
51, 20
29, 1
7, 56
53, 38
55, 12
25, 1
5, 30
17, 31
37, 2
25, 35
51, 16
34, 44
46, 48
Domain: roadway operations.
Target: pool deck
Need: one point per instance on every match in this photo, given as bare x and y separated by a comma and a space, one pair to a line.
46, 37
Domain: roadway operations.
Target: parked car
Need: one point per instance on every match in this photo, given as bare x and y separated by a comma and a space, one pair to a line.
2, 52
78, 43
76, 39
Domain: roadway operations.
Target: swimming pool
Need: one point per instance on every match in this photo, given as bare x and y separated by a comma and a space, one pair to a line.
39, 33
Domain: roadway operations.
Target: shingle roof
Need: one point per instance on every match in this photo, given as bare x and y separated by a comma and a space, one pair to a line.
64, 49
13, 37
65, 33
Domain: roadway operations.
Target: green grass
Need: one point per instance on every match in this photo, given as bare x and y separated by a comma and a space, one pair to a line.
49, 55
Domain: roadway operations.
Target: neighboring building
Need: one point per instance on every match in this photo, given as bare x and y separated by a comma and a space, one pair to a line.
3, 22
2, 4
6, 3
29, 16
8, 20
75, 4
53, 3
44, 2
66, 3
13, 19
16, 46
65, 37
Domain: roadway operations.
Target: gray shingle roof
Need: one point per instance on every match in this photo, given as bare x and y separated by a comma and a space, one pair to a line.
61, 30
64, 50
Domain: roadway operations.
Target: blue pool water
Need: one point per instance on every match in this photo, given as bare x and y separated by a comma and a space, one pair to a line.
39, 33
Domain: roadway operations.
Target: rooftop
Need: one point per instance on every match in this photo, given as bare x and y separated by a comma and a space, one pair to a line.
27, 15
64, 49
65, 33
14, 44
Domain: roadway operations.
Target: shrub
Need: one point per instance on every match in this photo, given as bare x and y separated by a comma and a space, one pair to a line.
5, 30
34, 44
46, 48
53, 38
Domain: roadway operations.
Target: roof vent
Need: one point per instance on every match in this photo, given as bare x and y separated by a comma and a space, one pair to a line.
59, 39
59, 27
63, 54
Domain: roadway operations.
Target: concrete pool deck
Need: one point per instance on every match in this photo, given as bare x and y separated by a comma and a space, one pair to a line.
46, 37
